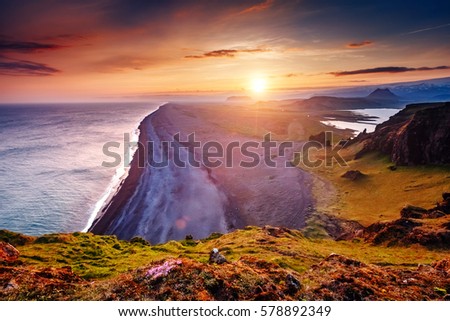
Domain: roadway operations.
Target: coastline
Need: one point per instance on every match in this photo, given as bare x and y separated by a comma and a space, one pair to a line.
168, 203
112, 205
151, 202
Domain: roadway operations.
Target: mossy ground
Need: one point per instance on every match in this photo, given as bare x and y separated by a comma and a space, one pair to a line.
382, 192
83, 266
99, 257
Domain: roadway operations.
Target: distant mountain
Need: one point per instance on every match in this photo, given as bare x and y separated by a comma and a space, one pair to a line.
428, 90
379, 98
383, 94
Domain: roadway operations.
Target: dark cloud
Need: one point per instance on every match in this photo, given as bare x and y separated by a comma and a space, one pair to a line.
230, 53
26, 47
160, 14
65, 37
25, 68
384, 70
359, 44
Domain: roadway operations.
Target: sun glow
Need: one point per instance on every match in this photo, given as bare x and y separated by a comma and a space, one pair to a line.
258, 85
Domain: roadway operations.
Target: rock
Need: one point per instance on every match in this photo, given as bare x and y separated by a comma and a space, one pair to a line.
435, 214
444, 206
275, 231
394, 232
340, 259
441, 209
353, 175
293, 285
392, 168
8, 253
216, 257
410, 211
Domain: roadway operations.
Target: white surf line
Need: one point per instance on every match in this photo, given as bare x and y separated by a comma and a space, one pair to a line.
120, 175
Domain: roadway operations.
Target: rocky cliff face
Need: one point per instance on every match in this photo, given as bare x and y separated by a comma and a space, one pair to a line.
419, 134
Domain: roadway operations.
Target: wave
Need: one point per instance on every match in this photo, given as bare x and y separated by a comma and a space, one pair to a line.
25, 150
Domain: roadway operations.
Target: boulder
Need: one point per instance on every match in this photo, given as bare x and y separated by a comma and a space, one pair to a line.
292, 284
353, 175
410, 211
8, 253
216, 257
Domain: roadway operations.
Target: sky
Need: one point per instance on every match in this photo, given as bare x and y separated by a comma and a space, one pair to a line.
89, 50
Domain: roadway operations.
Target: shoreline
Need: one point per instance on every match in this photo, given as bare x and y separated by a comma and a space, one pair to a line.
169, 202
125, 189
151, 202
114, 184
364, 119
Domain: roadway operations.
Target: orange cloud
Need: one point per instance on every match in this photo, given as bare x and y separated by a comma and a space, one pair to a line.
359, 44
258, 7
230, 53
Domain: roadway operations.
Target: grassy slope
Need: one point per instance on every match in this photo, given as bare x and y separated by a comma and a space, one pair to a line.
382, 193
100, 257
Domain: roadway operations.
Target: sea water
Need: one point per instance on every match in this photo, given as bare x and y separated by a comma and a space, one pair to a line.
381, 114
51, 173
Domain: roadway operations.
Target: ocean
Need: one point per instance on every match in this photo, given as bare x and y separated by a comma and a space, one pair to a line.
382, 115
51, 174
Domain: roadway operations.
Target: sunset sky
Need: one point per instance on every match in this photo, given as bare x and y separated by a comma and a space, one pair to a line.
96, 49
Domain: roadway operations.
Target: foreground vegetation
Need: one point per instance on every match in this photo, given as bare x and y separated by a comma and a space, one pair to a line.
82, 266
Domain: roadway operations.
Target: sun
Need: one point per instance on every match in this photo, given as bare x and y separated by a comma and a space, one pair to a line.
258, 85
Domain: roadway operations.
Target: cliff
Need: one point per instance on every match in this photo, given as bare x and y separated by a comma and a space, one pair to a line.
416, 135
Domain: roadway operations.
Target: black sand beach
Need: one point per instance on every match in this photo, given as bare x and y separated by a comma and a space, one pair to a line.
160, 204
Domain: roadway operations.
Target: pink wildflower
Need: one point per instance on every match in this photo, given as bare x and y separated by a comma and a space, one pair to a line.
162, 269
